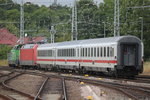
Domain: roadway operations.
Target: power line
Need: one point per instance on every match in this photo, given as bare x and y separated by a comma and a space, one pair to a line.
4, 4
9, 22
139, 7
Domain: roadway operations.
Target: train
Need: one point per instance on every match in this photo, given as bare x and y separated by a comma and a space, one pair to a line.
117, 56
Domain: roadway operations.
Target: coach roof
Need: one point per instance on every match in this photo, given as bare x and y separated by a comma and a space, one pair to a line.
94, 41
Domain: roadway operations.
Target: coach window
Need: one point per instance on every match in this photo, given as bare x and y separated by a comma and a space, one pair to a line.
46, 53
81, 52
104, 51
107, 51
41, 53
85, 52
49, 52
64, 52
97, 51
78, 52
89, 52
94, 51
101, 52
69, 51
112, 52
59, 52
72, 53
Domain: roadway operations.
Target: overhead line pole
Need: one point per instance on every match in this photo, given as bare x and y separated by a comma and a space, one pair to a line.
116, 19
22, 22
74, 22
53, 32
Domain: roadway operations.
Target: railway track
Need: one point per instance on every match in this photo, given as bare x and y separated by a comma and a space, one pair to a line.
132, 91
143, 76
9, 93
42, 88
142, 93
65, 97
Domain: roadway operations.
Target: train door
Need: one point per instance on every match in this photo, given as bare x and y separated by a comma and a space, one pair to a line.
80, 57
129, 55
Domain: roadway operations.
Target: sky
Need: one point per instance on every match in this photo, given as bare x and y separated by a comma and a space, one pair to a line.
48, 2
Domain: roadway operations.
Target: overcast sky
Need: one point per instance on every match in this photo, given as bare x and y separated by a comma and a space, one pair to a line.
48, 2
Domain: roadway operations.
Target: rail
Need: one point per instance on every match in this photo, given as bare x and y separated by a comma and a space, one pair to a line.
65, 97
41, 88
11, 88
117, 86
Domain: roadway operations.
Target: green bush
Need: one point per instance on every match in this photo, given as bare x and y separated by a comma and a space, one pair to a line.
4, 50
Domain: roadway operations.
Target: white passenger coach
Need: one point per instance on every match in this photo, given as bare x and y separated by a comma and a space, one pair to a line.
114, 55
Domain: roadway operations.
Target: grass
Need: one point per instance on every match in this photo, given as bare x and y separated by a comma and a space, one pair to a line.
3, 63
146, 68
